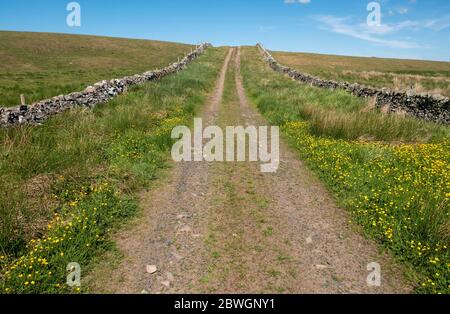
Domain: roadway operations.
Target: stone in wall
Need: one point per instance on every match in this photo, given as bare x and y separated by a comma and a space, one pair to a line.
426, 107
98, 93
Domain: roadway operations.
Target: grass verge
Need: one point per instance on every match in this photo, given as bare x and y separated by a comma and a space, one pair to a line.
399, 192
91, 164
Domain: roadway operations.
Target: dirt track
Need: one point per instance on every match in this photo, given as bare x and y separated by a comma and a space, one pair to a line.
228, 228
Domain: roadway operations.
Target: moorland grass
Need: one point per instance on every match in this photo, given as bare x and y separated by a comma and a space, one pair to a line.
91, 163
417, 75
43, 65
392, 173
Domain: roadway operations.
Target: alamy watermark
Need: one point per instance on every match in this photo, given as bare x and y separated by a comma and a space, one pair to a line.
234, 145
374, 278
374, 17
74, 275
74, 17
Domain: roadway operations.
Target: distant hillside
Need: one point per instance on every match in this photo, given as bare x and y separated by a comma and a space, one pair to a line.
42, 65
421, 76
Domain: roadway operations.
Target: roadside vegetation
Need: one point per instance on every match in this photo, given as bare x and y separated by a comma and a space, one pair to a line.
64, 185
43, 65
406, 75
391, 172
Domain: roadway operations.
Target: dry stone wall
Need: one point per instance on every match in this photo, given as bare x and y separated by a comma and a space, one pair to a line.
99, 93
427, 107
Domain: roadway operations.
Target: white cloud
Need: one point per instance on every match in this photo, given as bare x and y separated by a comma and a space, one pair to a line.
297, 1
385, 29
438, 24
364, 32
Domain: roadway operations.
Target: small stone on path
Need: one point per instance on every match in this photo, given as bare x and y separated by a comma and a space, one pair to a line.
166, 283
151, 269
321, 267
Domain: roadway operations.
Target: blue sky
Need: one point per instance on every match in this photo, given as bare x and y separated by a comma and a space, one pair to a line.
417, 29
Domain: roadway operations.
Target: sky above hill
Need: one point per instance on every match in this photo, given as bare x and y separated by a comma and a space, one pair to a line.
415, 29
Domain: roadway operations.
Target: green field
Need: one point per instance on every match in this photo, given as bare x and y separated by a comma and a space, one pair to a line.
42, 65
420, 76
